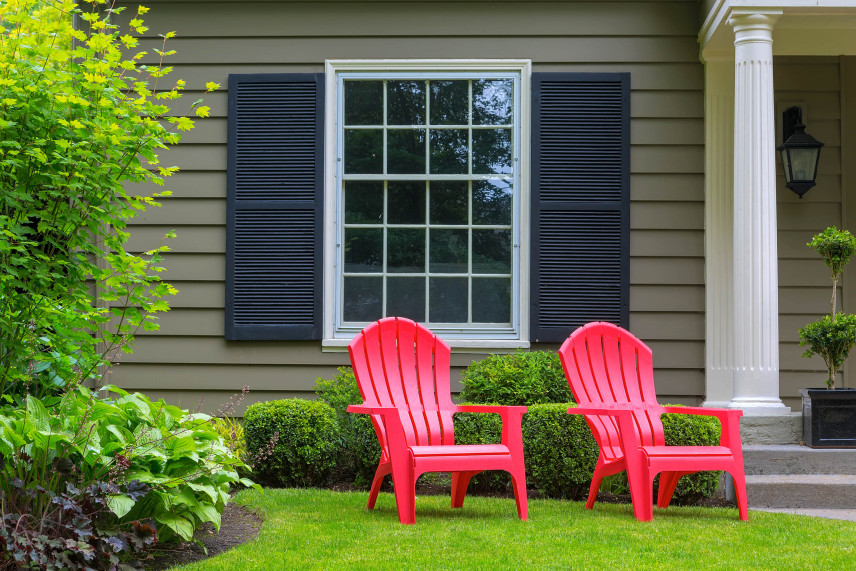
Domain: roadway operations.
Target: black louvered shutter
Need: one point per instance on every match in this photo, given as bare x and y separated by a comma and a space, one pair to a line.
580, 202
275, 207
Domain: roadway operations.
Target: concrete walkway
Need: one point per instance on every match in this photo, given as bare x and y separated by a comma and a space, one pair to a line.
847, 515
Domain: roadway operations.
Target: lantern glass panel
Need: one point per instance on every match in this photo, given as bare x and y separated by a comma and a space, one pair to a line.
784, 153
803, 161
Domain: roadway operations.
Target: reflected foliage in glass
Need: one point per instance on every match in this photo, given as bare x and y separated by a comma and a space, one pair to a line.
405, 152
363, 298
449, 251
492, 300
493, 101
363, 102
491, 251
363, 151
405, 202
405, 297
449, 149
405, 250
491, 151
450, 101
363, 202
449, 202
405, 103
363, 250
492, 202
449, 298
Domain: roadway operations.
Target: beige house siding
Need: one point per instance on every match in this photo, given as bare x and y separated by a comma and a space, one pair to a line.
804, 284
654, 41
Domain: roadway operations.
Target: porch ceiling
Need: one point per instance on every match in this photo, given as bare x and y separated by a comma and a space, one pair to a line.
813, 28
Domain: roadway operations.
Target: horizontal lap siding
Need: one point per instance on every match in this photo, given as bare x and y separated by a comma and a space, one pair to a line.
804, 284
654, 41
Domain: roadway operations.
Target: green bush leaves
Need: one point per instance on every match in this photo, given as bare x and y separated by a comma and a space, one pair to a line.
520, 378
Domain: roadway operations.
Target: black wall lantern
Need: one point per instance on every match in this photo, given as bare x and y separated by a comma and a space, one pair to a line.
800, 153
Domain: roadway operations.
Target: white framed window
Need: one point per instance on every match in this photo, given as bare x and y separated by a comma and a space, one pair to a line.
426, 194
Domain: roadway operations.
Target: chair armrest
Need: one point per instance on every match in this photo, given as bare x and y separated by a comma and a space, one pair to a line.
729, 421
606, 410
363, 409
512, 418
498, 409
623, 413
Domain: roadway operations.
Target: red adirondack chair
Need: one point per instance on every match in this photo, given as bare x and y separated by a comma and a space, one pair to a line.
611, 374
402, 370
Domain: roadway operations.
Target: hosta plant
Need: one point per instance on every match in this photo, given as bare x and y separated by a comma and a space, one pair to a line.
161, 466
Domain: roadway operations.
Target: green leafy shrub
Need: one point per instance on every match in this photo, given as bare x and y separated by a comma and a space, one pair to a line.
692, 430
560, 451
482, 428
360, 451
296, 442
520, 378
144, 461
81, 117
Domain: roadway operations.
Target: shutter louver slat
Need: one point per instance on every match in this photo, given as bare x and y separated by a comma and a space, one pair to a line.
275, 207
580, 191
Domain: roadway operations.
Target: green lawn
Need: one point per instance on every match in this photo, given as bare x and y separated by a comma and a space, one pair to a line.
318, 529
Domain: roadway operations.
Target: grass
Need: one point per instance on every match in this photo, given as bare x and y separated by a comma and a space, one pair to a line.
318, 529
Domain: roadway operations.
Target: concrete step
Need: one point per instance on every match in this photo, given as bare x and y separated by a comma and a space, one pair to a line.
799, 491
795, 459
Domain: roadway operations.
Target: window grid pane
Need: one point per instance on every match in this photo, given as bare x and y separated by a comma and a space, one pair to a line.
460, 312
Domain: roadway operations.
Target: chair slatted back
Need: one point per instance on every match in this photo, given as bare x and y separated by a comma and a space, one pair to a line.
400, 363
606, 364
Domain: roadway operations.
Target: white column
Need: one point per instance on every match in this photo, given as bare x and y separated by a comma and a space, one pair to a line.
718, 227
756, 282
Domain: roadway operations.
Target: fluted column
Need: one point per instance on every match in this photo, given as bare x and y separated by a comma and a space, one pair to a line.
756, 281
718, 227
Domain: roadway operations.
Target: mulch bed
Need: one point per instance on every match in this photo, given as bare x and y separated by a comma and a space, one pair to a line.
240, 525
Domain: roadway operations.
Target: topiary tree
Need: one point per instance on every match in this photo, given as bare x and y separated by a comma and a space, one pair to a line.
833, 335
81, 117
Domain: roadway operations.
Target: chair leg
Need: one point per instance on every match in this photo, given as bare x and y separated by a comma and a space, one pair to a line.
518, 482
383, 469
668, 483
641, 490
740, 491
596, 481
460, 481
404, 483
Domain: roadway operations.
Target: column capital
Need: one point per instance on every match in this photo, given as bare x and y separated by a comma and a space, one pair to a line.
753, 25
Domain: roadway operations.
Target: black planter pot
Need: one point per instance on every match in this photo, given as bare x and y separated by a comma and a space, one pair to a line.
829, 418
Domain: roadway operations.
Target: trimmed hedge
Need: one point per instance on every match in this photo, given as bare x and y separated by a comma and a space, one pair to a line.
306, 448
360, 451
482, 428
561, 452
692, 430
520, 378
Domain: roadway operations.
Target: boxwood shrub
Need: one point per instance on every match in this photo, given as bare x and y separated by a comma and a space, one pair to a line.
360, 451
292, 443
481, 428
692, 430
520, 378
561, 452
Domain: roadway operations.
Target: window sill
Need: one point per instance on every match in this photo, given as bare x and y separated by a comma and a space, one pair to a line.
457, 345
